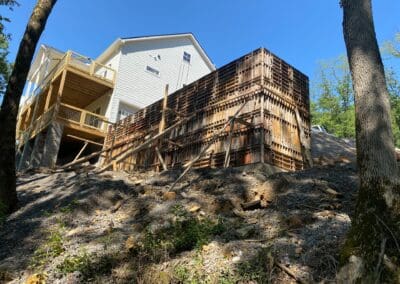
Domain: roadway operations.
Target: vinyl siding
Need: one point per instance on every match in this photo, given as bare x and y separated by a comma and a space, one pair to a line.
138, 87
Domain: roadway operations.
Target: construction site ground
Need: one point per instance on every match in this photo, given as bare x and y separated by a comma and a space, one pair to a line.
234, 225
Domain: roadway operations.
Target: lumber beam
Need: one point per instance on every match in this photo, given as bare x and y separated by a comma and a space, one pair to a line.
306, 151
161, 159
215, 136
80, 152
244, 122
228, 151
84, 140
148, 142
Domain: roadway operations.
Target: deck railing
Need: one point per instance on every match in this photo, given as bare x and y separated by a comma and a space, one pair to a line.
76, 61
80, 117
83, 118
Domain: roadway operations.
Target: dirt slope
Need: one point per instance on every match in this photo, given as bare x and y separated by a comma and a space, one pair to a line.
117, 228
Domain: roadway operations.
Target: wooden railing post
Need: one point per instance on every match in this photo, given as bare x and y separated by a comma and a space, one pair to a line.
92, 68
82, 118
59, 93
68, 57
48, 98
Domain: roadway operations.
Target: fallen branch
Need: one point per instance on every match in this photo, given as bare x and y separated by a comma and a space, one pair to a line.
290, 272
256, 204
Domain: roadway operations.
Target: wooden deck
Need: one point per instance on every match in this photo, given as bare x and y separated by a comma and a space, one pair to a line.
73, 84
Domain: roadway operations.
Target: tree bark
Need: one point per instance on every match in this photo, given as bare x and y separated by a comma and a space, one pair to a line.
9, 108
376, 219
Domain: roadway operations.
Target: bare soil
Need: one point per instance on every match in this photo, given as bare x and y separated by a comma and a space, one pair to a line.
83, 227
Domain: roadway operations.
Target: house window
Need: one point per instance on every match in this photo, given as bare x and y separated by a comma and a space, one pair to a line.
186, 57
152, 70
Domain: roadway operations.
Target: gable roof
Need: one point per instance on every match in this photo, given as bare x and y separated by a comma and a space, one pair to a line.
116, 45
36, 63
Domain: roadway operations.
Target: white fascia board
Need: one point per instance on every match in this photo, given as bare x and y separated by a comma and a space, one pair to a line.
115, 46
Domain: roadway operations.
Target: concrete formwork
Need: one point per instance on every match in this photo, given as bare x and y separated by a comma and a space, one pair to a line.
268, 90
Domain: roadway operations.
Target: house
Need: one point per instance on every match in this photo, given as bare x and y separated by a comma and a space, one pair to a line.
70, 100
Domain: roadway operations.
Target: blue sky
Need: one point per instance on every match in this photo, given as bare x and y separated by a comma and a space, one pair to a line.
301, 32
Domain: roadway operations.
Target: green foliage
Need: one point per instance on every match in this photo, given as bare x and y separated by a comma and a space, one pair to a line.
333, 104
185, 233
257, 269
81, 262
393, 47
89, 265
51, 248
394, 93
70, 207
5, 66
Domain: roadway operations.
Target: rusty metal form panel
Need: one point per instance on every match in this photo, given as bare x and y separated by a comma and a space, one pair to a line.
266, 130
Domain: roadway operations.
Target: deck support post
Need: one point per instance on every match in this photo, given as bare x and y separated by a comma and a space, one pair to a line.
25, 156
52, 144
38, 147
48, 98
59, 94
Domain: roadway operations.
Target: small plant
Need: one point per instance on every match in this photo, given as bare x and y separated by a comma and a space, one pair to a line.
257, 269
181, 273
50, 249
89, 265
75, 263
185, 233
70, 207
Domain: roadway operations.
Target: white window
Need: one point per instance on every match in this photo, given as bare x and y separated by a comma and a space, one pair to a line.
186, 56
152, 70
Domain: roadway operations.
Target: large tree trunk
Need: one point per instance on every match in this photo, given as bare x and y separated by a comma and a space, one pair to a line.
374, 237
9, 108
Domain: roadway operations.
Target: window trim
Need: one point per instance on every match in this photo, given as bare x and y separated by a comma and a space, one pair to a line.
152, 70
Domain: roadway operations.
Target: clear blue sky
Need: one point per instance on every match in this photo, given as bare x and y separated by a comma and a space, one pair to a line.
300, 32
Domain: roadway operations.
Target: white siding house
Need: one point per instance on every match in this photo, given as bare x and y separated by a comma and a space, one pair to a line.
145, 65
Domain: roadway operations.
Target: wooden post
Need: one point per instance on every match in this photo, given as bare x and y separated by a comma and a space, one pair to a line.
60, 91
92, 67
82, 118
161, 127
305, 149
228, 151
81, 151
48, 97
161, 159
147, 143
109, 156
262, 131
215, 136
27, 117
164, 107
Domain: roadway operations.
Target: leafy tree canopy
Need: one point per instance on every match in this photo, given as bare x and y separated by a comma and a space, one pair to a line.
5, 66
332, 95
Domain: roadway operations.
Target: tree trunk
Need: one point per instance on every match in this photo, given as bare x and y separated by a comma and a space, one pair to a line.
9, 108
374, 236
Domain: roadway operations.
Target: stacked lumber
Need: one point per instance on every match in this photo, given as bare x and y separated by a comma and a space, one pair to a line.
268, 91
